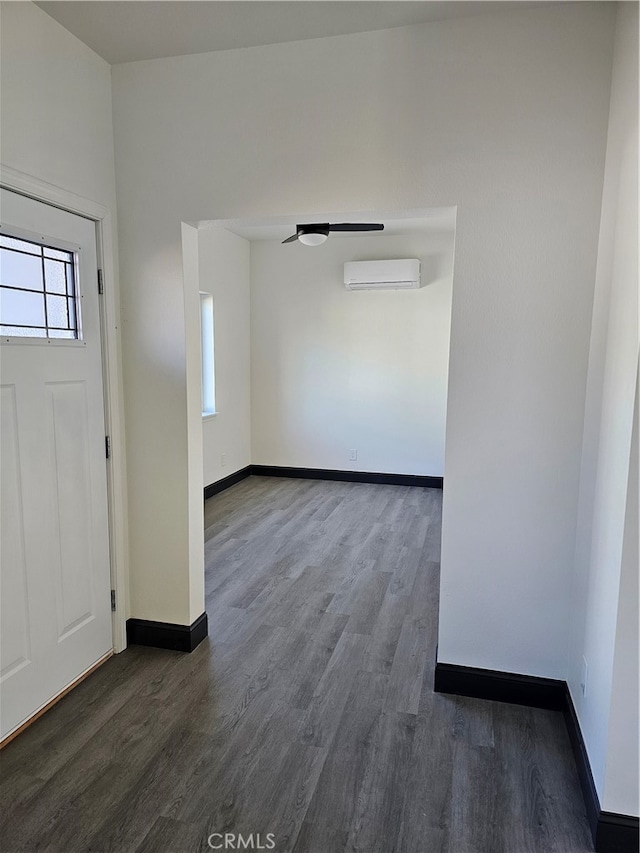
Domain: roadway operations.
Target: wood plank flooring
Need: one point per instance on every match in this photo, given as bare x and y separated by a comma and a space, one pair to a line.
308, 713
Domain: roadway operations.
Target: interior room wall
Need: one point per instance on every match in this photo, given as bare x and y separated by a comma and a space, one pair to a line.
613, 361
334, 370
225, 261
56, 105
505, 117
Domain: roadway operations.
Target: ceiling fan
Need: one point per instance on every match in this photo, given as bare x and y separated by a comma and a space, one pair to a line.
317, 232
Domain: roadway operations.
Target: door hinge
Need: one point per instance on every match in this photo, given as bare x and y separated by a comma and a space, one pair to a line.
113, 599
107, 446
100, 282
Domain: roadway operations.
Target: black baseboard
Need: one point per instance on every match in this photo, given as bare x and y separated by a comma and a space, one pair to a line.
348, 476
589, 793
165, 635
612, 833
500, 686
617, 833
231, 480
322, 474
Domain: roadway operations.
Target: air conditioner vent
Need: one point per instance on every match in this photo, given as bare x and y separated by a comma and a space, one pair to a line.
401, 274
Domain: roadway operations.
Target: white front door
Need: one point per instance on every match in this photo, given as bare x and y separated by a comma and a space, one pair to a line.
54, 557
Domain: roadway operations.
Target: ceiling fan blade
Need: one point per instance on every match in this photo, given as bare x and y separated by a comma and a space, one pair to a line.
356, 226
292, 238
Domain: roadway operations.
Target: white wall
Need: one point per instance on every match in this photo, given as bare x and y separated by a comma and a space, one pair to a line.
225, 261
56, 105
621, 775
609, 413
333, 370
503, 116
195, 506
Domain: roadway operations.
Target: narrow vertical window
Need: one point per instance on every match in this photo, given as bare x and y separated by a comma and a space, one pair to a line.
208, 355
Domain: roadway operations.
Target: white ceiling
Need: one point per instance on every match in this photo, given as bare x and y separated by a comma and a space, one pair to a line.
131, 30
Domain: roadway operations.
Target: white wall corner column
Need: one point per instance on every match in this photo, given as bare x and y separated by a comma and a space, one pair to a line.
193, 355
600, 642
621, 792
166, 578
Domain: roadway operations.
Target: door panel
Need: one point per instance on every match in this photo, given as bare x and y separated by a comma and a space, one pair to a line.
70, 473
14, 651
56, 615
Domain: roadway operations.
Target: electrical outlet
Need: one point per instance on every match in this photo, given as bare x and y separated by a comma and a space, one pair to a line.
353, 455
223, 459
583, 678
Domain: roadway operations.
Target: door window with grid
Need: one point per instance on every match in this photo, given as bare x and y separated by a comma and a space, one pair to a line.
38, 290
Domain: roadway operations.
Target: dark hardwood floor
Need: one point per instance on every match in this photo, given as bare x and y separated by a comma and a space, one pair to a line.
308, 713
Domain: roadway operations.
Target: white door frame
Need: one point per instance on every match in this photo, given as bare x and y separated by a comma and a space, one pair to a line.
12, 179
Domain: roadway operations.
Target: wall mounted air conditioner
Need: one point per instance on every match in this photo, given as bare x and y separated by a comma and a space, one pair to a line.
382, 275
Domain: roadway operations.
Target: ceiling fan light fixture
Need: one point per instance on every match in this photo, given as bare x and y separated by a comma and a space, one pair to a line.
315, 233
312, 238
